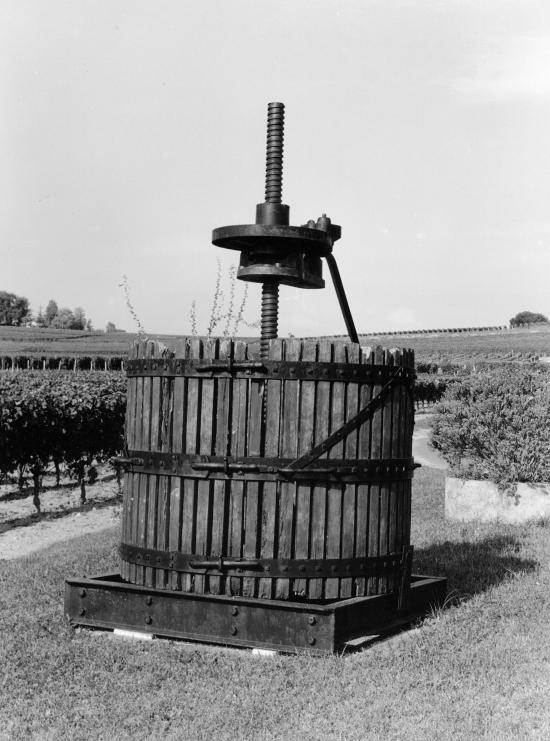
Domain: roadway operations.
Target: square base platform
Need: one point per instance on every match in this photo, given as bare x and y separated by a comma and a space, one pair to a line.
109, 602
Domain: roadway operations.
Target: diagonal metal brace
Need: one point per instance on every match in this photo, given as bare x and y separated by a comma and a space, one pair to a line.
351, 425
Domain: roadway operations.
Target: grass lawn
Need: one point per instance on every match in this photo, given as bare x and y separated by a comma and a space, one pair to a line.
479, 669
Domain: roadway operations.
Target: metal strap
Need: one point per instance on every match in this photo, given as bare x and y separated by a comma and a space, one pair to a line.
335, 470
348, 426
296, 568
265, 369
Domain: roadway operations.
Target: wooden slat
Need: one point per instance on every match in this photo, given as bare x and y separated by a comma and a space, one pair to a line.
203, 519
306, 437
335, 493
395, 490
179, 415
192, 444
137, 572
151, 425
288, 448
147, 483
385, 486
375, 514
352, 492
319, 493
222, 443
270, 491
127, 570
239, 420
164, 490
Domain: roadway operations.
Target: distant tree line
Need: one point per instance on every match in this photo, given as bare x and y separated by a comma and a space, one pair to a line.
63, 318
15, 312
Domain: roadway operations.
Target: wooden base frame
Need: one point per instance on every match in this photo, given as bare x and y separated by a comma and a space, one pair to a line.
108, 602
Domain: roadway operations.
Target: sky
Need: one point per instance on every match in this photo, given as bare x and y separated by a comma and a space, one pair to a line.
132, 128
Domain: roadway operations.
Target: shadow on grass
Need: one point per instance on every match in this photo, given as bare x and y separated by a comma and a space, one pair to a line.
65, 512
473, 567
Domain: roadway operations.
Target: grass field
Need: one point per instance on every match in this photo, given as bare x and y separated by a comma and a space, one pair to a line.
462, 348
479, 669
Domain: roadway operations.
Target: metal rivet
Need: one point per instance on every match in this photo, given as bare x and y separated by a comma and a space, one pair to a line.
233, 630
82, 612
148, 619
312, 620
311, 641
149, 601
82, 592
234, 610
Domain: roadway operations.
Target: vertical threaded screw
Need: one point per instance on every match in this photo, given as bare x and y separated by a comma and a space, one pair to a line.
274, 152
270, 311
273, 194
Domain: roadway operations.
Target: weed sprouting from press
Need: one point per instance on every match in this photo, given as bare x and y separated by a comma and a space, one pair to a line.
124, 285
223, 308
193, 318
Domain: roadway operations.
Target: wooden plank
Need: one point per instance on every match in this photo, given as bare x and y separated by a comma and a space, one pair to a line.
306, 437
127, 570
203, 517
192, 443
363, 442
245, 496
222, 446
319, 493
266, 524
239, 421
165, 483
335, 493
375, 489
386, 486
409, 424
288, 448
179, 414
394, 540
352, 491
150, 441
137, 572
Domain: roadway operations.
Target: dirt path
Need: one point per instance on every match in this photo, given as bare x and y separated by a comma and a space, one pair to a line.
23, 531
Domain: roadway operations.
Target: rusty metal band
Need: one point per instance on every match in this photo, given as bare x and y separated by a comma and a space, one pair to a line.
289, 568
337, 470
265, 369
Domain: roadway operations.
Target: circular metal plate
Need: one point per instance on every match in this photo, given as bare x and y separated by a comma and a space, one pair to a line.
245, 237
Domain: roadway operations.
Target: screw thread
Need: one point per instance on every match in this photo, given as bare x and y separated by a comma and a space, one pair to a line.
274, 153
269, 319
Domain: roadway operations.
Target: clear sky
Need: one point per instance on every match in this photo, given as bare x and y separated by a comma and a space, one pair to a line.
131, 128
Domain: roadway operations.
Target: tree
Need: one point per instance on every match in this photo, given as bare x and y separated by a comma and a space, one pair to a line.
14, 310
79, 318
40, 318
528, 317
110, 327
64, 319
50, 313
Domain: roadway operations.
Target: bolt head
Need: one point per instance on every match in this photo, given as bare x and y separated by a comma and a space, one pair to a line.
148, 619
